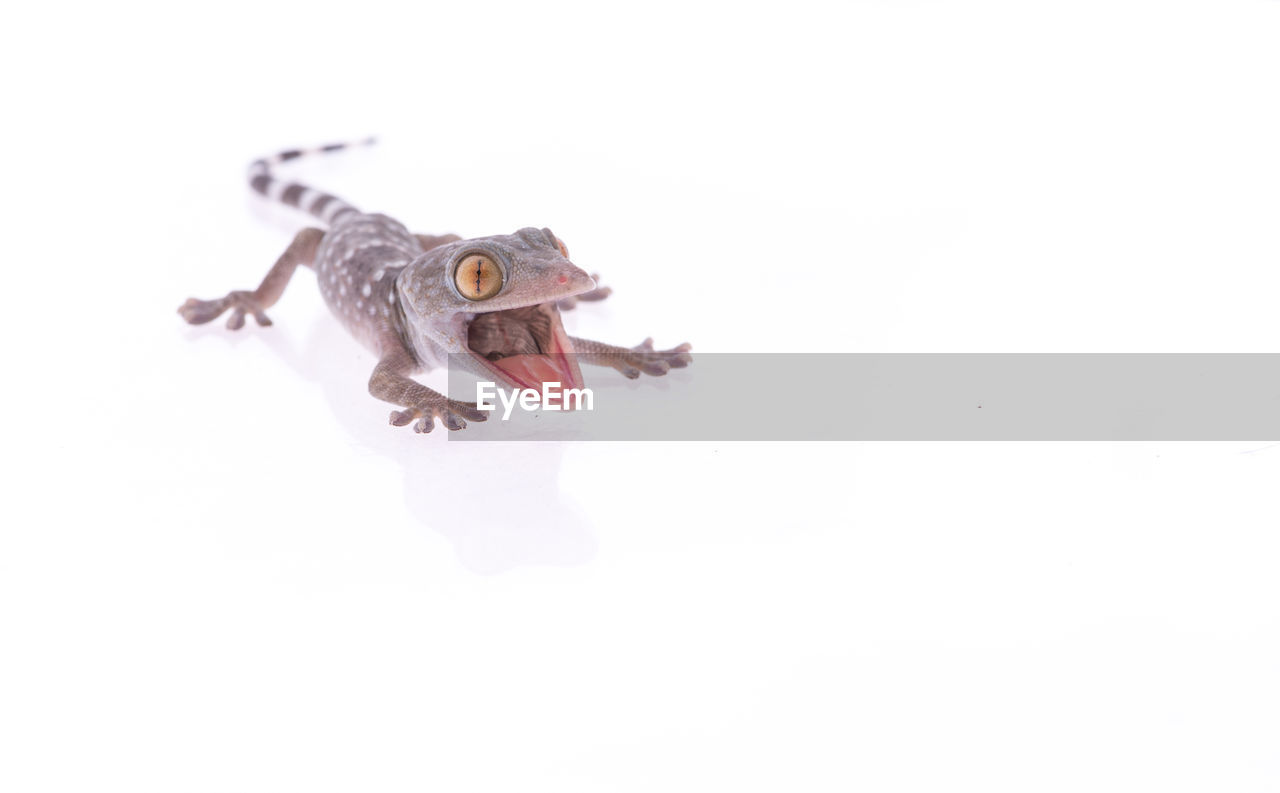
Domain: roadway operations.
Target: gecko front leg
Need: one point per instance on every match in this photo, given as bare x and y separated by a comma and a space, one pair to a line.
301, 251
631, 361
390, 382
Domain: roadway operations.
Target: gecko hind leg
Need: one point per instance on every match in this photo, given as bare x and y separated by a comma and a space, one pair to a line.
429, 241
632, 361
390, 382
301, 251
599, 293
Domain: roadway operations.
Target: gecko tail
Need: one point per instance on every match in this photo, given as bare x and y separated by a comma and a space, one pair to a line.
325, 206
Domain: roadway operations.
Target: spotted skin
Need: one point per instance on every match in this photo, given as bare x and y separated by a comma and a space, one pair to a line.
392, 290
356, 267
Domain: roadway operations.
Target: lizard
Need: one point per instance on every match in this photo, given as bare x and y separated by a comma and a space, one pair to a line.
418, 301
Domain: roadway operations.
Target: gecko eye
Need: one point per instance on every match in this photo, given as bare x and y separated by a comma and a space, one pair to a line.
477, 277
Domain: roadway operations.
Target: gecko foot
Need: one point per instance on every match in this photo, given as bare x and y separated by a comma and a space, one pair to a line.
599, 293
198, 312
643, 358
452, 415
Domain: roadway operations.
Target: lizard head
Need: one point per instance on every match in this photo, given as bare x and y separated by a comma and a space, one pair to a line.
491, 302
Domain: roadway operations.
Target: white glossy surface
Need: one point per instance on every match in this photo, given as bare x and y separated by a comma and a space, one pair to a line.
221, 570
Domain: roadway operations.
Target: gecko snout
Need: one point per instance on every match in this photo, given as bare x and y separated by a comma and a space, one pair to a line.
575, 280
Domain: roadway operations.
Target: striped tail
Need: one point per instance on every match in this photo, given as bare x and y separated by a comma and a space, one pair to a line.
324, 206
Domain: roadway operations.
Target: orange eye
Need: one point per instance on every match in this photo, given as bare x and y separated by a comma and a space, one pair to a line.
564, 251
477, 277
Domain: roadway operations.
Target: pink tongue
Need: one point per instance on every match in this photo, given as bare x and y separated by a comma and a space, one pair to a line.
531, 371
557, 365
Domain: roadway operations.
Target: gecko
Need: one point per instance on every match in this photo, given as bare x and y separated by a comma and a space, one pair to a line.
418, 301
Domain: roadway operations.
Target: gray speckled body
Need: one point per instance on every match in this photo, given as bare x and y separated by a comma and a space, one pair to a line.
397, 293
356, 266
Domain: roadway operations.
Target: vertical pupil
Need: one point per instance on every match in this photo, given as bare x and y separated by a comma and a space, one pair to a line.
479, 276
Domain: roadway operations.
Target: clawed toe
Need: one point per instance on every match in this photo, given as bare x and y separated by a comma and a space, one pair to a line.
236, 320
467, 410
198, 312
643, 358
599, 293
452, 415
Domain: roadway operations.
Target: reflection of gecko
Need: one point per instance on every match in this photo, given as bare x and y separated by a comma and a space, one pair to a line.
413, 299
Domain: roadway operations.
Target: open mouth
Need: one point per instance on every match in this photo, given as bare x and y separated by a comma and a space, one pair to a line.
525, 346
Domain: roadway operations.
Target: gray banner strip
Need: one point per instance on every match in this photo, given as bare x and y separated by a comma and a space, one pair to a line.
915, 397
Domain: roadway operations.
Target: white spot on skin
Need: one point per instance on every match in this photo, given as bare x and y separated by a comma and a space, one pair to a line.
359, 304
308, 196
276, 188
333, 208
373, 310
366, 290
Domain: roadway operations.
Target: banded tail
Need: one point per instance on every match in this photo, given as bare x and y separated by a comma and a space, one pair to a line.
323, 205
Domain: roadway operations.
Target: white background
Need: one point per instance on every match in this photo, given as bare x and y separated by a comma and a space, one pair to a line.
220, 569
